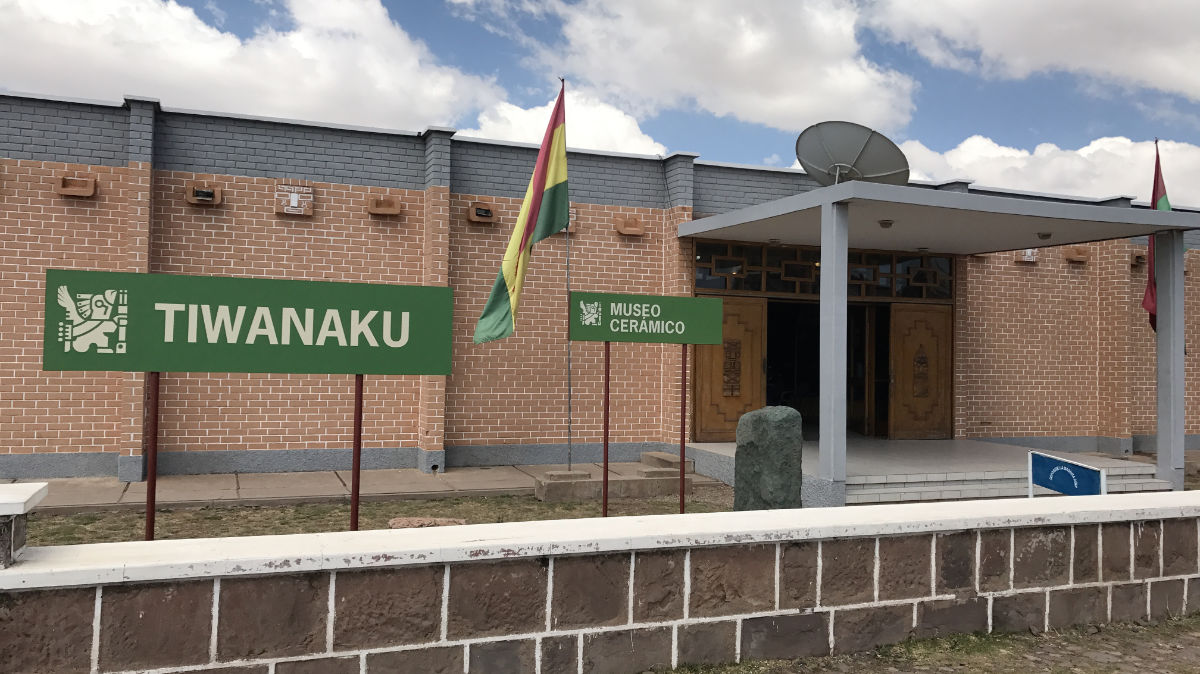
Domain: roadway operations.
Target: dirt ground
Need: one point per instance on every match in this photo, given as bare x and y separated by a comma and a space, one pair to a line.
106, 527
1172, 646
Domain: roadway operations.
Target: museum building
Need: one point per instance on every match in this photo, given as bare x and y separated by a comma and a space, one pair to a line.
1027, 330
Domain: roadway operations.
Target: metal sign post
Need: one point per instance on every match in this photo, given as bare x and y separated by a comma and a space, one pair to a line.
356, 462
655, 319
98, 321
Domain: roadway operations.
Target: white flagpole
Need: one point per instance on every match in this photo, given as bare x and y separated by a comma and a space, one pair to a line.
570, 461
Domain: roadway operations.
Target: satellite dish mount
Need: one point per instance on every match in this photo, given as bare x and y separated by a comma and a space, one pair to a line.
835, 152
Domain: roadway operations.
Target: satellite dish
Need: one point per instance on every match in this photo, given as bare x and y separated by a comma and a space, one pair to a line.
834, 152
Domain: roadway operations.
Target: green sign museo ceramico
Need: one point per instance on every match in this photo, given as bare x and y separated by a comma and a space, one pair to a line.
606, 317
162, 323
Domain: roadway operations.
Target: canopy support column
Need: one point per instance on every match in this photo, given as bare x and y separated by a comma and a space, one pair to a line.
829, 488
1168, 263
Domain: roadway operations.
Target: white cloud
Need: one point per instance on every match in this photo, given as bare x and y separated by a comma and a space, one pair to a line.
1147, 44
780, 63
341, 62
591, 124
1105, 167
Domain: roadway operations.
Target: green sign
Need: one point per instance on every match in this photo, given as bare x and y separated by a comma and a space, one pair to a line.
606, 317
161, 323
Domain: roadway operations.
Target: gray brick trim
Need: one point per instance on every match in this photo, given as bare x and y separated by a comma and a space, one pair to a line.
720, 188
140, 133
437, 157
679, 169
202, 144
61, 131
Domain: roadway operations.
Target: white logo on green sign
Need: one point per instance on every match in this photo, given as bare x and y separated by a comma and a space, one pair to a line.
592, 313
94, 320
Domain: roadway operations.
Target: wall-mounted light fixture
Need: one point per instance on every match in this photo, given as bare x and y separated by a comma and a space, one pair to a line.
1044, 236
886, 224
199, 193
481, 213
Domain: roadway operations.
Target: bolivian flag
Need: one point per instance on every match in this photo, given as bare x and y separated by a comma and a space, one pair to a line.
544, 212
1158, 201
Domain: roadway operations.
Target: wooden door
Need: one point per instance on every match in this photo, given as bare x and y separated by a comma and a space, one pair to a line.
920, 401
729, 377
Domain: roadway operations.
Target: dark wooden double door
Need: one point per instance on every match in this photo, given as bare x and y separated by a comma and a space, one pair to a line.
900, 371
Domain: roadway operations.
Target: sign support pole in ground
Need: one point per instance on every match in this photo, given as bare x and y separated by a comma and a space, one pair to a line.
356, 466
150, 447
604, 478
683, 422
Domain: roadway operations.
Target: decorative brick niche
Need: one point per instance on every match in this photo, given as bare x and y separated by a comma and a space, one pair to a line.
293, 199
630, 226
384, 206
75, 186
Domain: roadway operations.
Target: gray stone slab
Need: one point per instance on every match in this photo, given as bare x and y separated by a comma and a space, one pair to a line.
768, 460
398, 481
487, 478
290, 485
186, 488
81, 491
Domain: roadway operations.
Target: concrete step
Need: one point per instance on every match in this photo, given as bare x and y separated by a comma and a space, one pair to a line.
618, 487
891, 493
666, 460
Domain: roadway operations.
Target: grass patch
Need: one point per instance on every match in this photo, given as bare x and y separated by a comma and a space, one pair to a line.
113, 526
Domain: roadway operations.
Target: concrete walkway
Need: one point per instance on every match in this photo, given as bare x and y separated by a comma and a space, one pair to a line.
107, 493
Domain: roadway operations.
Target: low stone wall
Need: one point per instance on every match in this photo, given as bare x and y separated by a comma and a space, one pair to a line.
616, 595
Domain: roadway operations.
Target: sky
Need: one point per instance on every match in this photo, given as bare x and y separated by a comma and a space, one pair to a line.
1060, 97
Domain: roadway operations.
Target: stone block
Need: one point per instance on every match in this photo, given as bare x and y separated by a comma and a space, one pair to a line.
1115, 560
560, 654
1128, 602
732, 579
387, 607
47, 631
6, 541
436, 660
708, 643
862, 629
1179, 547
249, 669
658, 586
590, 591
1166, 599
905, 569
667, 460
955, 560
342, 665
1086, 560
272, 616
1078, 606
1146, 538
155, 625
515, 656
767, 470
847, 571
1041, 556
497, 598
951, 616
626, 651
785, 636
798, 575
995, 549
1019, 612
1193, 595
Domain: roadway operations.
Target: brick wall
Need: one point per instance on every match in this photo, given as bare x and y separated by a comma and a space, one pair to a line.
515, 390
63, 412
525, 607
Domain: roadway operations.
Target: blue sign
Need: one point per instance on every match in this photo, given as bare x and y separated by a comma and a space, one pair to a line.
1065, 477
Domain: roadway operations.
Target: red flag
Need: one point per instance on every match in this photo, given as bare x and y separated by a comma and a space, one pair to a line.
1158, 200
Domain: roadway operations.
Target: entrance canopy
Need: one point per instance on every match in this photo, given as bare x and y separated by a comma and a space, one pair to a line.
951, 219
946, 218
